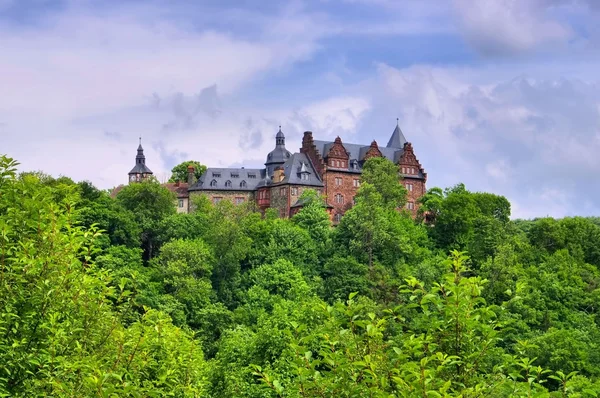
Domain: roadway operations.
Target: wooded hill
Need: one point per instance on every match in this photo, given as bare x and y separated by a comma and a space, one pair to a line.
124, 297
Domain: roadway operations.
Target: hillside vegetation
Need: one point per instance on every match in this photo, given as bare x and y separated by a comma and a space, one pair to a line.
123, 297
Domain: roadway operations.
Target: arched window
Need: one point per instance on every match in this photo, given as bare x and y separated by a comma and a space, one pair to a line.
227, 184
213, 183
243, 184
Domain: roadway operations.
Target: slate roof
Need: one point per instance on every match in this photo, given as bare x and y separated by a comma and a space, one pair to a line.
234, 175
392, 151
397, 139
303, 201
358, 152
140, 168
140, 162
297, 165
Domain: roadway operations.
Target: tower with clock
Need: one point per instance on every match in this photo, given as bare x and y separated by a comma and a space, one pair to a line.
140, 171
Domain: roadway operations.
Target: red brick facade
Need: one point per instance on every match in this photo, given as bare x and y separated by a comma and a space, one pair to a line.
335, 173
341, 184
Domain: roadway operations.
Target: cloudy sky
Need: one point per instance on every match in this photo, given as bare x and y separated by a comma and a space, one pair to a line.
502, 95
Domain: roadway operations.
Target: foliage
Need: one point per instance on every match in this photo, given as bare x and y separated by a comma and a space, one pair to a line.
180, 172
61, 336
150, 203
106, 296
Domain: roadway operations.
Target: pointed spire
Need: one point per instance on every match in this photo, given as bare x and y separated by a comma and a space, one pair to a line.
397, 139
140, 158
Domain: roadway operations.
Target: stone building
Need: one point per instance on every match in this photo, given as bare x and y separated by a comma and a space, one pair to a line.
333, 168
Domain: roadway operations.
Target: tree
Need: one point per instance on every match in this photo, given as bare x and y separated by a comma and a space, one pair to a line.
60, 334
150, 203
313, 218
383, 174
180, 172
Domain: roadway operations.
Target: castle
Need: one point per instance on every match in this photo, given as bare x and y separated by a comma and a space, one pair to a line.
332, 168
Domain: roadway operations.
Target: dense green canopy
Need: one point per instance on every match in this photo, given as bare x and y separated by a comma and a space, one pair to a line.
124, 297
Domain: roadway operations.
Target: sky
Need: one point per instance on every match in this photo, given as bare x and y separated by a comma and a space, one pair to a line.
501, 95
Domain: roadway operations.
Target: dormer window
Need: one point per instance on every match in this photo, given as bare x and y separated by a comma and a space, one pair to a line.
251, 175
304, 176
216, 175
213, 183
227, 184
235, 175
243, 184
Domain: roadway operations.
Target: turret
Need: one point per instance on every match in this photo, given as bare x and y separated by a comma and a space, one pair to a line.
140, 171
279, 155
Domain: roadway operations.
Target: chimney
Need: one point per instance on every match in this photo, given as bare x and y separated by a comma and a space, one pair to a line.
278, 174
190, 170
307, 141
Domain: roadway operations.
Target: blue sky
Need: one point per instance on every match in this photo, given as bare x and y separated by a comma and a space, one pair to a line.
499, 94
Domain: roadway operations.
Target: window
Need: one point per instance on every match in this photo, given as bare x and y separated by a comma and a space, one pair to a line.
281, 191
180, 203
243, 184
239, 200
338, 181
227, 184
409, 187
213, 183
337, 217
294, 191
338, 198
251, 175
404, 170
337, 162
216, 175
217, 199
412, 170
343, 164
356, 182
304, 176
410, 206
235, 175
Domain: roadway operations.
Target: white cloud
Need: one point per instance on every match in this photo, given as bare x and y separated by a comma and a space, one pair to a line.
509, 26
71, 76
532, 140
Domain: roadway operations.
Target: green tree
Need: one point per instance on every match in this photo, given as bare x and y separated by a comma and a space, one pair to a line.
150, 203
180, 172
383, 174
313, 217
59, 333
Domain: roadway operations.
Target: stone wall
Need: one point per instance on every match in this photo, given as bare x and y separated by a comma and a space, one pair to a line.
185, 205
280, 199
418, 190
233, 196
346, 189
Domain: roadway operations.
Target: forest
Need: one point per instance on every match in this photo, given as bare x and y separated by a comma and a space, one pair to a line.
124, 297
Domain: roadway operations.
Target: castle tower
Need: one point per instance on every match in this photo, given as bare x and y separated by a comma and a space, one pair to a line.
278, 156
140, 171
